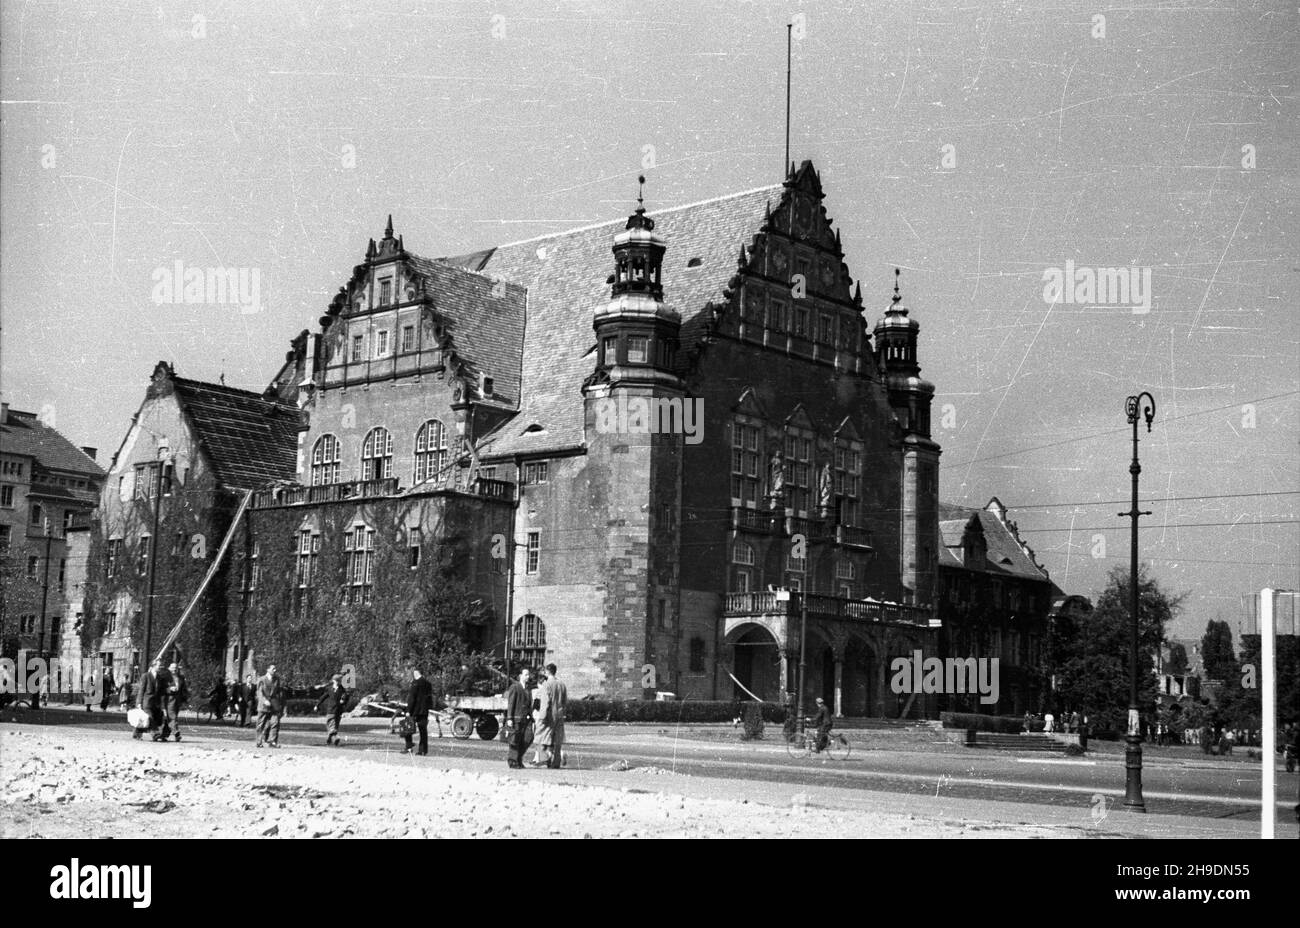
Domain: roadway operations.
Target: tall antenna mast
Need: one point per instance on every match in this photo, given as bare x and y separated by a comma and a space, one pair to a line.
789, 31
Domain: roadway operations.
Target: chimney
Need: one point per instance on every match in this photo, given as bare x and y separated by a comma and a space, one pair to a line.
89, 451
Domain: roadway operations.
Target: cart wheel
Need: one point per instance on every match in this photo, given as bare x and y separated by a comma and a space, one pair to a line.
488, 726
462, 726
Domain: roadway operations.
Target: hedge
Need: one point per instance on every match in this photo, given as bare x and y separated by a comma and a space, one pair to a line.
682, 710
997, 724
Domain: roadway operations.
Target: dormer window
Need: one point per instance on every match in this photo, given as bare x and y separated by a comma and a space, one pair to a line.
385, 292
489, 385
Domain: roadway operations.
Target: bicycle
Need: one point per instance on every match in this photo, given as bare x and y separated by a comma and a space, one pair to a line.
804, 744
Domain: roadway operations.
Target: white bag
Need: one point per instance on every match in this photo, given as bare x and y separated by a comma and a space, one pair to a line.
137, 718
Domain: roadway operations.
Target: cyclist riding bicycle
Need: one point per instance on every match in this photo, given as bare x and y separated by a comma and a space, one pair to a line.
822, 723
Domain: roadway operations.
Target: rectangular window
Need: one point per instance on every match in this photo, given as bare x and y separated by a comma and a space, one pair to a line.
255, 568
63, 573
846, 591
536, 471
142, 555
697, 655
638, 349
413, 539
35, 516
27, 624
533, 552
610, 350
385, 292
408, 338
381, 343
798, 472
800, 322
360, 547
845, 570
32, 563
7, 496
358, 346
848, 483
663, 614
308, 550
110, 623
742, 580
796, 564
5, 535
744, 464
113, 556
828, 329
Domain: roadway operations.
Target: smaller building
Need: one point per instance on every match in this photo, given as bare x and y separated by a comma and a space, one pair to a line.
994, 599
48, 488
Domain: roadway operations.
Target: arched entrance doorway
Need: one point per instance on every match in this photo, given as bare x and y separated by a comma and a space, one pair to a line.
757, 664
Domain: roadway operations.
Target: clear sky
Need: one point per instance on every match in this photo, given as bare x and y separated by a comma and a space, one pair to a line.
974, 145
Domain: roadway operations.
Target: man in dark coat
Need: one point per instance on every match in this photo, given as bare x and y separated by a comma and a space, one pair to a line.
270, 706
334, 702
519, 712
248, 700
153, 687
106, 692
418, 703
175, 698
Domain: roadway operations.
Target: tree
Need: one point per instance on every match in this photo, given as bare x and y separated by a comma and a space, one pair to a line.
1216, 651
1091, 657
1177, 663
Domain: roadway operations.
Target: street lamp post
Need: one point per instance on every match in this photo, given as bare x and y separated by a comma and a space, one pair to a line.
1136, 409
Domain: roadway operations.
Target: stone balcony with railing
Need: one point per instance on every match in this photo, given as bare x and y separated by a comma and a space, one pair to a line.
771, 522
300, 495
824, 606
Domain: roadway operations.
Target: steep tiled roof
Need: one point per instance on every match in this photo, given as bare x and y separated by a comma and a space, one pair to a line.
486, 323
566, 279
249, 440
1005, 555
24, 434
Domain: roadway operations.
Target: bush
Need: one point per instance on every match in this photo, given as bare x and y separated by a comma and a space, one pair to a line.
684, 710
997, 724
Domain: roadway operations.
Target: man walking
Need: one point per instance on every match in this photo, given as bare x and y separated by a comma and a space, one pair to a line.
519, 707
248, 702
106, 694
419, 700
152, 688
177, 695
270, 706
557, 701
334, 700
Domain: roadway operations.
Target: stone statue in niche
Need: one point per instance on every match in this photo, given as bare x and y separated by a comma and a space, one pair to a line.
825, 490
776, 476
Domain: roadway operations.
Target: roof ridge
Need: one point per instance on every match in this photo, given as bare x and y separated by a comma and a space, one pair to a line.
611, 222
249, 394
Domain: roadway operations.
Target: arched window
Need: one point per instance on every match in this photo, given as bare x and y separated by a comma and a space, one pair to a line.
430, 450
377, 454
325, 460
528, 641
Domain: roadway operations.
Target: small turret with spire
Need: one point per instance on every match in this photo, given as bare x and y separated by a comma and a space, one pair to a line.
636, 331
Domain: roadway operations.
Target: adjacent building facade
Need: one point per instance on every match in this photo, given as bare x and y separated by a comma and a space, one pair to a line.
48, 488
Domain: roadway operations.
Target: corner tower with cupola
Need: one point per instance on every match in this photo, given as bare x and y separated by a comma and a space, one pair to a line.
910, 396
634, 405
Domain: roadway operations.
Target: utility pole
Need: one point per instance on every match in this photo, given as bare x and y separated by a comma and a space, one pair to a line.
803, 645
45, 595
1133, 752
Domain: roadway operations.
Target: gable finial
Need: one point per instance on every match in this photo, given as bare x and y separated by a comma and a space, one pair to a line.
897, 296
640, 193
388, 229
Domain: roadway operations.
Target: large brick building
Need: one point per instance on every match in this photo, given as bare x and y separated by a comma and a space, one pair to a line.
661, 452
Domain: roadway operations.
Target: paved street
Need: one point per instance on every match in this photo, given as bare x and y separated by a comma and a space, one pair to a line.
1041, 786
